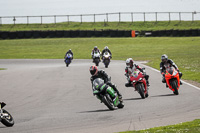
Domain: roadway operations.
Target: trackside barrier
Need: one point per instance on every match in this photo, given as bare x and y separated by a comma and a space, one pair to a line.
97, 33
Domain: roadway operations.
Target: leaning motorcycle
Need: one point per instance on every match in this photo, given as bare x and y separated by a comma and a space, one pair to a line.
172, 79
106, 94
139, 83
96, 58
106, 59
5, 116
68, 59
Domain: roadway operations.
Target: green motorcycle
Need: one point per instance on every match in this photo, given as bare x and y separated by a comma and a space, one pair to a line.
106, 94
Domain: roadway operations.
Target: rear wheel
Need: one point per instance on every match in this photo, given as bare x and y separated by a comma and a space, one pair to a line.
8, 121
140, 88
108, 101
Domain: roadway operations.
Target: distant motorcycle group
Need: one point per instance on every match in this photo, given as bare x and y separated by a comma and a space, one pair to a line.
136, 76
106, 55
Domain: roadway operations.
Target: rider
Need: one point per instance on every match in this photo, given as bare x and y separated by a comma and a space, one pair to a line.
130, 68
103, 75
106, 49
69, 52
163, 65
95, 50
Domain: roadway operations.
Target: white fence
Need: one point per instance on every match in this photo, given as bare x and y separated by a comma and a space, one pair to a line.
105, 17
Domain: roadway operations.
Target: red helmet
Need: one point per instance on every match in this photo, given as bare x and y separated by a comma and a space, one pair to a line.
93, 70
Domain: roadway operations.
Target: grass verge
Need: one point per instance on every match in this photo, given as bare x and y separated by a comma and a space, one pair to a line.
139, 26
184, 51
186, 127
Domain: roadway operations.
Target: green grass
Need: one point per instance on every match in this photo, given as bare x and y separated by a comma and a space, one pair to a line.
2, 69
184, 51
139, 26
187, 127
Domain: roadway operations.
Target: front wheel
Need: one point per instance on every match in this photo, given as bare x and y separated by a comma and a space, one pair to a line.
7, 120
174, 85
140, 88
121, 104
108, 102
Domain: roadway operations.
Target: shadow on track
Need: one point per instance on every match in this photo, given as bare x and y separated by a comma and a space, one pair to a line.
132, 99
93, 111
164, 95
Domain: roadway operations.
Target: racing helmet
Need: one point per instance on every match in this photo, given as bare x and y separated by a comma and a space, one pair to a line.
95, 48
93, 70
106, 47
164, 58
70, 50
129, 62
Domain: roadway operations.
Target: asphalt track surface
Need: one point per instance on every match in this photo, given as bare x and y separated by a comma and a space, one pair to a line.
44, 96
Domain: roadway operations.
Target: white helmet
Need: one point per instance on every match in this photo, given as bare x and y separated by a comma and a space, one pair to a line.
106, 47
129, 62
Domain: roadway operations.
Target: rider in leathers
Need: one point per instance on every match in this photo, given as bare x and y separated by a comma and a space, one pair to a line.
168, 63
106, 49
69, 52
103, 75
131, 67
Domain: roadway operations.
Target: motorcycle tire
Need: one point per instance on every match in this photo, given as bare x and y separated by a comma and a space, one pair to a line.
174, 85
147, 94
106, 62
9, 122
120, 105
140, 89
108, 102
67, 65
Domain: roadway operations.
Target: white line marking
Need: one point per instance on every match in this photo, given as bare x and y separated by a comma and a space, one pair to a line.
182, 81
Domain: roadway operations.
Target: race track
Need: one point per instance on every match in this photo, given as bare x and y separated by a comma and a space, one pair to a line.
44, 96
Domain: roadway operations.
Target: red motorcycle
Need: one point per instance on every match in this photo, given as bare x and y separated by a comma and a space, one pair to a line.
172, 79
139, 83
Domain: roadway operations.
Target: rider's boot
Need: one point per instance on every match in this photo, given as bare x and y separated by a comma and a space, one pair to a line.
181, 82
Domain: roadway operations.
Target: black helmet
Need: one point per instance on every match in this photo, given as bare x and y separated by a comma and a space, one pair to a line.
70, 50
93, 70
164, 58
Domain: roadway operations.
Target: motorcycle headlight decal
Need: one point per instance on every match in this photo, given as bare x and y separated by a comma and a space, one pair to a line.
140, 79
134, 81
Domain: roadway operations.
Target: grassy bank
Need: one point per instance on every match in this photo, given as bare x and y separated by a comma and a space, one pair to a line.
185, 52
187, 127
160, 25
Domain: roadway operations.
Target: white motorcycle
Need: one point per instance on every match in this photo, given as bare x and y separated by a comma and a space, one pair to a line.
96, 58
5, 116
106, 59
